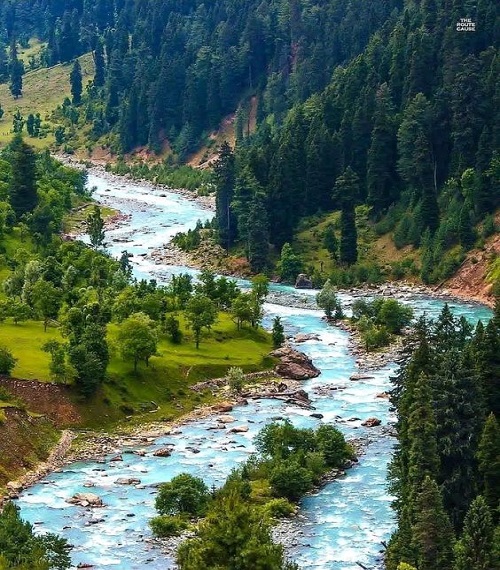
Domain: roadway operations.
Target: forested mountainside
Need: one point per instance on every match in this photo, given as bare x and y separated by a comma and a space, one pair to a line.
173, 69
389, 104
409, 127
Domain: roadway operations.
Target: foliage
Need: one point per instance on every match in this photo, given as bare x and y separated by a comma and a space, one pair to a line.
183, 495
21, 548
95, 228
165, 526
138, 338
235, 379
201, 313
328, 301
279, 508
7, 361
278, 332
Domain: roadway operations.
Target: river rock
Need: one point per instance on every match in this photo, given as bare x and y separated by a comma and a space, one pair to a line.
304, 337
117, 458
294, 364
238, 429
371, 422
383, 395
86, 500
128, 481
360, 377
303, 282
223, 407
317, 416
163, 452
226, 419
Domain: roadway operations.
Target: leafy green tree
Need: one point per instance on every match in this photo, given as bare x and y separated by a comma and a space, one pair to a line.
46, 301
173, 329
280, 440
7, 361
60, 370
331, 443
278, 332
75, 79
288, 479
95, 228
138, 338
22, 189
201, 313
184, 495
289, 265
394, 315
328, 301
235, 379
30, 125
19, 312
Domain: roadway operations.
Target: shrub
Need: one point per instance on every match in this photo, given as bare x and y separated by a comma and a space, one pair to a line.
236, 379
278, 508
184, 494
166, 525
7, 361
289, 480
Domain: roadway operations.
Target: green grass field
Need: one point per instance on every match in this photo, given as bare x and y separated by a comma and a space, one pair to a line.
43, 90
165, 382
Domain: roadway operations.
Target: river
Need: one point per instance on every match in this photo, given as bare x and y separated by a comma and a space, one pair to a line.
341, 525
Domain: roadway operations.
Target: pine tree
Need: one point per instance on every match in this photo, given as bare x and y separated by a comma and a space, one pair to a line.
95, 228
347, 190
16, 72
76, 83
100, 66
278, 332
258, 234
432, 532
23, 192
489, 464
348, 235
330, 242
224, 174
474, 550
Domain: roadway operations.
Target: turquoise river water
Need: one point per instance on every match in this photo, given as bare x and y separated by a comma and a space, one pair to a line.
343, 524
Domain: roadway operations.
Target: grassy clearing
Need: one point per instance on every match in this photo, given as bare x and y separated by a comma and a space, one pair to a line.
76, 219
43, 90
372, 248
164, 384
25, 340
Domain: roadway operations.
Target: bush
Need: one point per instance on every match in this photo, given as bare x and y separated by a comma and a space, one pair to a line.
184, 494
289, 480
166, 525
7, 361
278, 508
236, 379
375, 337
331, 443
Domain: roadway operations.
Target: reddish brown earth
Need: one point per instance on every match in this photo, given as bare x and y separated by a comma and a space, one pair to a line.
50, 400
470, 280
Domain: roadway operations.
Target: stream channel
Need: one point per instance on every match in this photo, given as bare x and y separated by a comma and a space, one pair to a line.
342, 524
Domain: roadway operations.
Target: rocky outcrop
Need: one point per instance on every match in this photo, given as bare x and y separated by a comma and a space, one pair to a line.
163, 452
303, 282
371, 422
86, 500
294, 364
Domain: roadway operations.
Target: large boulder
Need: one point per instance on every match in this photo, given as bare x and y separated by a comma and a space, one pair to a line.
238, 429
163, 452
86, 500
303, 282
294, 364
371, 422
